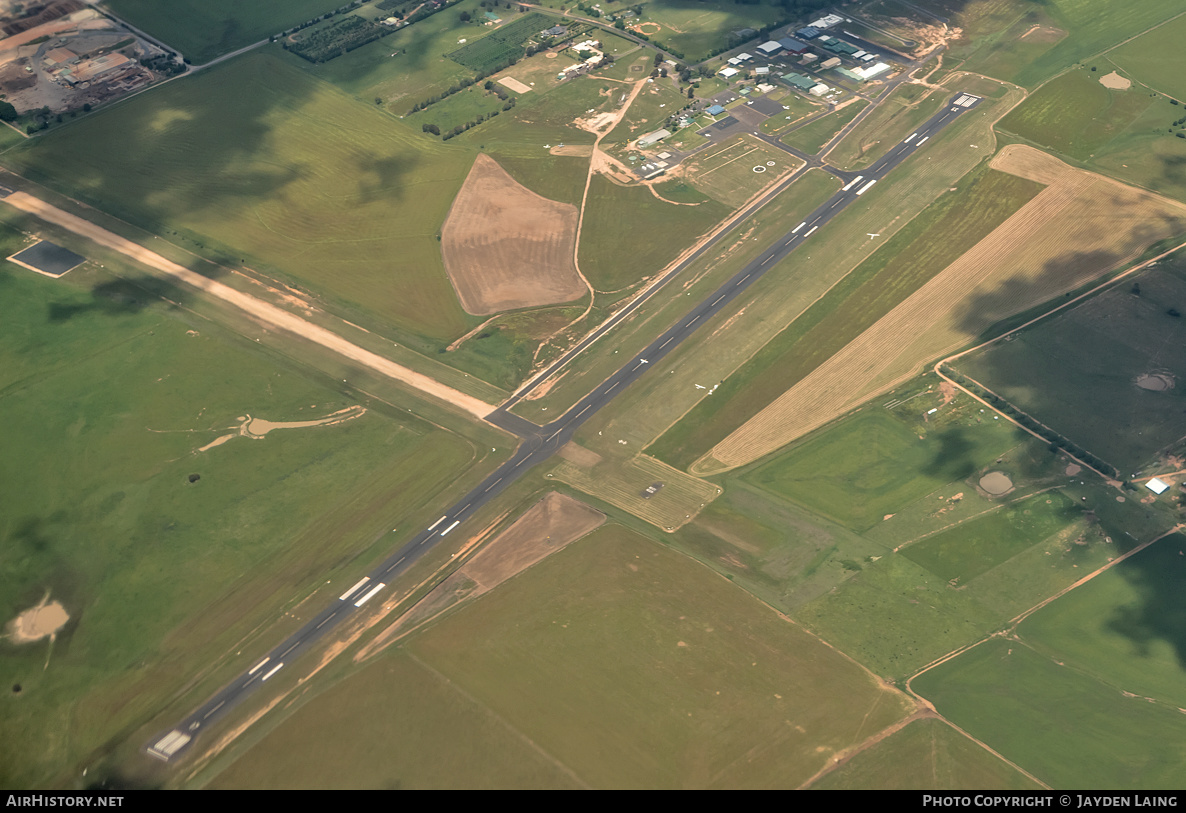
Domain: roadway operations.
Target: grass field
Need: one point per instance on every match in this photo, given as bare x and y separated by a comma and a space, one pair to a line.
1089, 360
876, 463
896, 117
811, 137
445, 740
927, 754
917, 253
729, 171
255, 162
1145, 59
1076, 115
205, 29
696, 31
109, 398
635, 667
964, 552
628, 234
1064, 726
996, 41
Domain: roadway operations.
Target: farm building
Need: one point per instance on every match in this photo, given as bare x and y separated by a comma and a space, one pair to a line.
770, 48
653, 138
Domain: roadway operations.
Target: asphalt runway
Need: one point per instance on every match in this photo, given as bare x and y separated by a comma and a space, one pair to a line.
540, 442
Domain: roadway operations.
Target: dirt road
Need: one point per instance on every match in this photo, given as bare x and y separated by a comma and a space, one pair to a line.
261, 311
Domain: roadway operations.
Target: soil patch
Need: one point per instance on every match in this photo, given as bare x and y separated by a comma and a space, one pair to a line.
514, 84
506, 247
42, 621
1115, 81
576, 150
996, 483
1155, 382
575, 453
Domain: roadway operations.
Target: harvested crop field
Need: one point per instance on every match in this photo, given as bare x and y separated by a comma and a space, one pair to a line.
506, 247
1076, 229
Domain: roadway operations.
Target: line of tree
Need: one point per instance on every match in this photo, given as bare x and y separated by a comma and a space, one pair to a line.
1055, 440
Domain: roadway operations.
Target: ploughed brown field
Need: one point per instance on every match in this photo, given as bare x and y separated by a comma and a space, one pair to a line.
506, 247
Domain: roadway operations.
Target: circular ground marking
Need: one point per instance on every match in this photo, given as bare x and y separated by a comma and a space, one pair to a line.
769, 163
551, 55
1156, 382
996, 483
759, 168
1072, 469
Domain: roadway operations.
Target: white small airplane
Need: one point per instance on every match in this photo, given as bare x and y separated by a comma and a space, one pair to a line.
643, 361
873, 235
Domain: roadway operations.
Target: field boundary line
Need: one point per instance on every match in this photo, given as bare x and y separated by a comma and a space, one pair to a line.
977, 515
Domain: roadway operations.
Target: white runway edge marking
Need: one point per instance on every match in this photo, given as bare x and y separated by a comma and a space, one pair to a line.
796, 229
438, 522
813, 228
325, 621
271, 672
924, 139
216, 708
865, 188
258, 666
499, 480
669, 338
370, 594
354, 589
857, 179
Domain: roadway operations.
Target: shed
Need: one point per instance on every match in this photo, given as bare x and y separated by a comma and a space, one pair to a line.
793, 45
831, 62
771, 47
1156, 486
729, 72
653, 138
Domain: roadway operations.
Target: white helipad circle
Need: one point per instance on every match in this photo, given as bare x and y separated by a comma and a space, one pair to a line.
759, 168
769, 163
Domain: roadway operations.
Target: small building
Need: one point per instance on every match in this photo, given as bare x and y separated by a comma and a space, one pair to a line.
808, 59
1156, 486
649, 170
653, 138
555, 31
798, 80
728, 72
827, 21
715, 110
853, 75
745, 57
493, 18
819, 90
733, 61
808, 33
770, 48
762, 70
831, 62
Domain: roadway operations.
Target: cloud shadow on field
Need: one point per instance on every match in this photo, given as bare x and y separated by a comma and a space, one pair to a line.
1161, 614
120, 297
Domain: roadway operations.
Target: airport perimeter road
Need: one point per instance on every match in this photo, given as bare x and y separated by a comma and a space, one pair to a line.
539, 443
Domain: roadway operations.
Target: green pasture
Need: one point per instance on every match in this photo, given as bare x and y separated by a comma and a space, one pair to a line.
927, 754
469, 105
408, 66
397, 724
1154, 59
895, 617
962, 553
922, 249
1064, 726
875, 463
256, 163
633, 666
204, 29
108, 396
1126, 627
996, 40
649, 111
698, 30
1148, 152
628, 234
1076, 115
811, 137
800, 108
1078, 372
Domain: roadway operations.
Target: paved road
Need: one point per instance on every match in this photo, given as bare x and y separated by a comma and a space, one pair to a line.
539, 443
